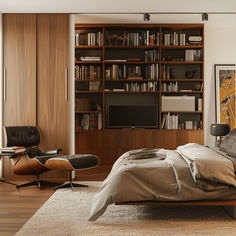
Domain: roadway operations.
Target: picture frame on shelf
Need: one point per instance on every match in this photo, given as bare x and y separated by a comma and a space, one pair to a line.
225, 94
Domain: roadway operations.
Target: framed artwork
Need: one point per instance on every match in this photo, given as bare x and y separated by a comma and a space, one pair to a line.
225, 94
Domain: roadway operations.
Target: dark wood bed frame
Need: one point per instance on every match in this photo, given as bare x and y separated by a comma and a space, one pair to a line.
223, 203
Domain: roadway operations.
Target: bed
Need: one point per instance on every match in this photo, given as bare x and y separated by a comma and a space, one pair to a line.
191, 175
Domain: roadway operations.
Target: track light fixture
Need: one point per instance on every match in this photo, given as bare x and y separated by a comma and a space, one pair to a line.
146, 17
204, 17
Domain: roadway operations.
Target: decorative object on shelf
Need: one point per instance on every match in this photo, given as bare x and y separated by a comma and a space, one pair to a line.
189, 74
198, 86
225, 94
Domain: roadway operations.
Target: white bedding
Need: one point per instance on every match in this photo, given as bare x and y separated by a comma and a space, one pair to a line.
193, 172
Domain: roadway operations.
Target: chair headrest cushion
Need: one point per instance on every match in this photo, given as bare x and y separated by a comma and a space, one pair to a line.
26, 136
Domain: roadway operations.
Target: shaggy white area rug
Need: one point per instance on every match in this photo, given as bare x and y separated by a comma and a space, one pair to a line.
66, 213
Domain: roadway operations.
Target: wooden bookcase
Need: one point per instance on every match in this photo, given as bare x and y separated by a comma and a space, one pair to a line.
138, 64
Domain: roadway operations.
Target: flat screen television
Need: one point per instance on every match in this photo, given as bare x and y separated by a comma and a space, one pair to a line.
132, 116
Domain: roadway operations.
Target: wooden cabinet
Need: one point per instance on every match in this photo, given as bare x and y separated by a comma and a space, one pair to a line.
36, 63
139, 65
53, 80
120, 68
109, 144
19, 48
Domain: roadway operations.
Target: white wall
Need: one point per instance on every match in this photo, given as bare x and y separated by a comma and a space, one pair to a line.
1, 64
78, 6
220, 48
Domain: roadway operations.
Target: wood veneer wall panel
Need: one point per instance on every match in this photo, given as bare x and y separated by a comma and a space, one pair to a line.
52, 61
19, 40
19, 49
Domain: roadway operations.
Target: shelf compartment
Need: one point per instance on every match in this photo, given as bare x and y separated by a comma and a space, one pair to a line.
131, 92
88, 92
183, 112
88, 62
88, 131
181, 80
181, 62
88, 112
141, 47
130, 80
181, 120
87, 80
88, 47
181, 47
131, 62
181, 92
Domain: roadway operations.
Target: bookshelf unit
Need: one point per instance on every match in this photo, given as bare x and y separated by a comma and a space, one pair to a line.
138, 64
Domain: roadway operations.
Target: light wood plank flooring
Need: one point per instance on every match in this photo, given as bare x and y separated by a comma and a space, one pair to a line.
16, 209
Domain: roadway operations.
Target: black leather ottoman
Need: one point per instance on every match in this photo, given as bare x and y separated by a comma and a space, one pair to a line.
70, 163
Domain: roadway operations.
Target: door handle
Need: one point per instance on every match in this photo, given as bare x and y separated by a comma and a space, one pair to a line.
4, 85
66, 85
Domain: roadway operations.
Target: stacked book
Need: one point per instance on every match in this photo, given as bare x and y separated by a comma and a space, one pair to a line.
195, 40
90, 58
13, 150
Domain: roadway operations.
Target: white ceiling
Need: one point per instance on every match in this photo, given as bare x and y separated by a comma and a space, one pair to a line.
118, 6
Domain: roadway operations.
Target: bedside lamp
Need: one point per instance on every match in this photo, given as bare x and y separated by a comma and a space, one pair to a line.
219, 130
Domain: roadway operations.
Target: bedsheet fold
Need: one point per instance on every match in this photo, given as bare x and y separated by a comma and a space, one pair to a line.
192, 172
210, 169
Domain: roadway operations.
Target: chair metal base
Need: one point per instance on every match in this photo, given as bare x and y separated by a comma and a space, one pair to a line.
5, 181
37, 183
70, 184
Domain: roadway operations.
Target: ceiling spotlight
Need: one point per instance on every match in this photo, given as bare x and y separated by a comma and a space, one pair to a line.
146, 17
204, 17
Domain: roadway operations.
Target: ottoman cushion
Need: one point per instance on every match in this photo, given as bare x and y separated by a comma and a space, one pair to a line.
75, 162
81, 161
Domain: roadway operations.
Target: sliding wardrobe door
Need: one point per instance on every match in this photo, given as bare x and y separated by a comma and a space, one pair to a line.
19, 49
53, 80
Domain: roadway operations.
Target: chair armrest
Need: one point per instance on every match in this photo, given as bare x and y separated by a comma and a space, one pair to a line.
52, 152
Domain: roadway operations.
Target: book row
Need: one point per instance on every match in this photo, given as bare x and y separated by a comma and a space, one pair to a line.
90, 121
144, 38
88, 39
88, 72
180, 39
132, 72
135, 87
173, 122
141, 87
193, 55
175, 39
133, 38
151, 55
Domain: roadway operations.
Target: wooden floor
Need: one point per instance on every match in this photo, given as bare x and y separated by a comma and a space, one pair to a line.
16, 208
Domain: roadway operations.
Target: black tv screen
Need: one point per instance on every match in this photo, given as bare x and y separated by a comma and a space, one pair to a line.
132, 116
